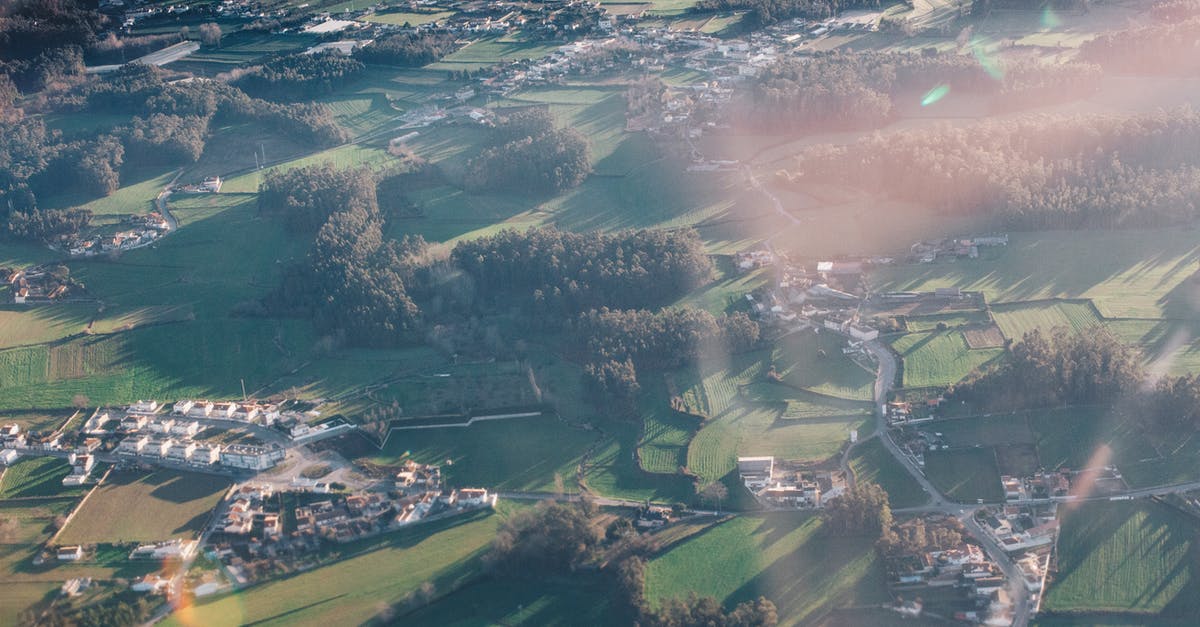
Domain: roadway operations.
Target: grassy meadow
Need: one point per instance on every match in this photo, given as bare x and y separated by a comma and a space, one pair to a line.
1130, 560
140, 507
870, 461
787, 557
939, 358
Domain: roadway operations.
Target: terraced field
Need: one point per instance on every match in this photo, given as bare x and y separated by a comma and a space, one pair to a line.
939, 358
1017, 319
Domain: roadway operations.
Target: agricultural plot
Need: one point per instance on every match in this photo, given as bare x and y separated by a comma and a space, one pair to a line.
374, 574
584, 600
1132, 559
1140, 273
1169, 345
761, 429
518, 454
406, 18
30, 523
612, 470
965, 475
16, 597
815, 363
1017, 319
490, 51
984, 337
786, 557
665, 437
36, 476
931, 322
870, 461
939, 358
138, 189
727, 292
37, 420
139, 507
21, 327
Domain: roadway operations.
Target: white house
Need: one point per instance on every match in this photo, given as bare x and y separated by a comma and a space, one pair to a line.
144, 407
70, 553
183, 407
205, 455
223, 410
473, 496
185, 428
200, 409
133, 445
181, 451
162, 426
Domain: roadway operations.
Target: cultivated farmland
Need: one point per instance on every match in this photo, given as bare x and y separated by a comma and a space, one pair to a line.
36, 476
871, 462
1134, 557
786, 556
516, 454
939, 358
139, 507
965, 474
1017, 319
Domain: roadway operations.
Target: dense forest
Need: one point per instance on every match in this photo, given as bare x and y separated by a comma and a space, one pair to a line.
353, 282
170, 127
1171, 48
300, 76
529, 155
767, 12
408, 49
1060, 368
1086, 171
1094, 367
556, 274
851, 91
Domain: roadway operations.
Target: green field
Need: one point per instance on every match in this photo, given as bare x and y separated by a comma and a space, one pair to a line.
965, 475
1126, 273
138, 507
352, 591
798, 361
1017, 319
412, 19
1135, 558
490, 51
871, 462
958, 319
37, 420
516, 454
939, 358
16, 597
787, 557
583, 600
612, 470
36, 476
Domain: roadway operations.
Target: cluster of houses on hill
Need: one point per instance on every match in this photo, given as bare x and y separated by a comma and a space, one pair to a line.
776, 483
137, 231
39, 284
982, 588
954, 248
253, 533
149, 435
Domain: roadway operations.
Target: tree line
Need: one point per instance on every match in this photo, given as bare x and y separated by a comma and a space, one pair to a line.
767, 12
529, 155
408, 48
170, 126
556, 539
300, 76
353, 283
1164, 48
1083, 171
615, 344
1093, 367
860, 90
557, 274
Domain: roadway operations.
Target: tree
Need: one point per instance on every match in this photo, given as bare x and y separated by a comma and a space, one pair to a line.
714, 493
861, 510
550, 538
210, 34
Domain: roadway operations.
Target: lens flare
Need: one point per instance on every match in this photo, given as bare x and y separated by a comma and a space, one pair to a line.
1050, 19
990, 63
935, 94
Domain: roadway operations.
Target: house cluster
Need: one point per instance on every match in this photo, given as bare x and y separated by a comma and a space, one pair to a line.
1020, 528
902, 412
954, 248
38, 284
169, 549
81, 468
777, 484
964, 569
210, 185
155, 436
247, 513
1043, 485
